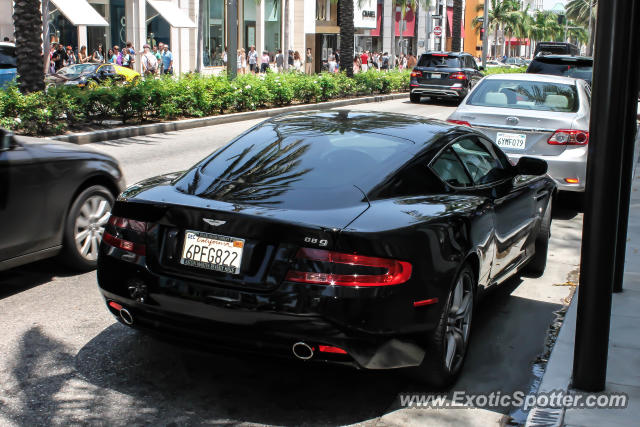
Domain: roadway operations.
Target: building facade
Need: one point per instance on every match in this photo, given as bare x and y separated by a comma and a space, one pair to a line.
197, 30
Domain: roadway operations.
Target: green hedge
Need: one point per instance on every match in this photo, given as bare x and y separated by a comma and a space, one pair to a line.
504, 70
193, 95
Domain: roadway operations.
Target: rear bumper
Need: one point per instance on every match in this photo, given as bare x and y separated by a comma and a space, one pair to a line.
572, 163
269, 323
440, 91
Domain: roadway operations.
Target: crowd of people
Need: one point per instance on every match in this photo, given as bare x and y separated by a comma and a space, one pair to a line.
155, 61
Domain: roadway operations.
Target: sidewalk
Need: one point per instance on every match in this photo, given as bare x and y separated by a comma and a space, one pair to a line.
623, 367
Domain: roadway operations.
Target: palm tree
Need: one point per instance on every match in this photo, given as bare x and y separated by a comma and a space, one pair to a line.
456, 22
522, 25
404, 6
545, 26
499, 17
347, 32
584, 13
27, 20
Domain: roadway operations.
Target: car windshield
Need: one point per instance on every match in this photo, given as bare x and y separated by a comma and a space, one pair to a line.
439, 60
272, 155
525, 95
578, 69
7, 57
77, 70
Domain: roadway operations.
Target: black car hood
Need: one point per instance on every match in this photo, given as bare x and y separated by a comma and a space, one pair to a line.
331, 208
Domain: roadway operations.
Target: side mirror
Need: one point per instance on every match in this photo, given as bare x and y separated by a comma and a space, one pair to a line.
531, 166
5, 140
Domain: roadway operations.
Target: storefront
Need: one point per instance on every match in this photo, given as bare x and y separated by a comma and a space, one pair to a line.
368, 24
405, 31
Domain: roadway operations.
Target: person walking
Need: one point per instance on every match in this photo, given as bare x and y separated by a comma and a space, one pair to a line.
239, 62
167, 60
126, 57
297, 62
279, 61
71, 57
132, 54
98, 55
308, 62
333, 65
364, 61
356, 64
59, 57
253, 59
158, 56
149, 62
264, 62
82, 55
411, 62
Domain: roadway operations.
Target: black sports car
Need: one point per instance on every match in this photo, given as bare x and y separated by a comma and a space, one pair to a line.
55, 198
346, 237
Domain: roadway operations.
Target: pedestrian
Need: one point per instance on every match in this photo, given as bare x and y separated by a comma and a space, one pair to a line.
253, 59
332, 64
308, 62
71, 57
167, 60
126, 57
239, 62
149, 62
264, 62
111, 58
364, 61
59, 57
336, 54
158, 56
98, 55
224, 57
297, 62
279, 61
82, 55
385, 61
290, 59
411, 62
132, 54
356, 64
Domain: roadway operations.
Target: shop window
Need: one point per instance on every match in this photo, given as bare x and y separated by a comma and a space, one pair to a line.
250, 13
273, 25
213, 33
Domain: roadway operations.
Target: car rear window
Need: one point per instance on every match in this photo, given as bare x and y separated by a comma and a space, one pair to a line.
439, 60
271, 155
7, 57
525, 95
558, 67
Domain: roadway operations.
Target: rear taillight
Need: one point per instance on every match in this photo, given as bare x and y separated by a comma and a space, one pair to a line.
416, 73
458, 76
569, 137
128, 235
340, 269
459, 122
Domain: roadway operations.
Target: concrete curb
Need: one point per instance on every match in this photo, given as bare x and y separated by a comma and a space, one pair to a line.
130, 131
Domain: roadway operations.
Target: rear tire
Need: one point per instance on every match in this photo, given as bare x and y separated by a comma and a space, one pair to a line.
415, 98
84, 226
447, 347
537, 265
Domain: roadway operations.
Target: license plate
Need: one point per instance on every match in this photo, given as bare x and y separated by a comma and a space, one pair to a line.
511, 140
436, 75
212, 252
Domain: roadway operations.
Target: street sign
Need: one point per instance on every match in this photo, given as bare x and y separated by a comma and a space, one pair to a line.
437, 31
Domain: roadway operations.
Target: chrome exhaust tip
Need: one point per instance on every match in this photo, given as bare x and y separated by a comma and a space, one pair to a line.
302, 351
126, 317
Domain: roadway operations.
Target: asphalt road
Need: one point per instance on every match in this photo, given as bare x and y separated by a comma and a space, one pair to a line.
65, 360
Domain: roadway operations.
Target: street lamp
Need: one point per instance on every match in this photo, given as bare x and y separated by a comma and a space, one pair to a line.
485, 34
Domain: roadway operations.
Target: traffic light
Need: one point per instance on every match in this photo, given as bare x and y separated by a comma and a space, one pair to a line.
481, 34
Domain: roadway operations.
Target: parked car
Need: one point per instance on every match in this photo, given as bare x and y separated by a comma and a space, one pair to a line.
555, 48
444, 75
516, 62
90, 75
580, 67
357, 238
55, 198
493, 63
8, 64
534, 115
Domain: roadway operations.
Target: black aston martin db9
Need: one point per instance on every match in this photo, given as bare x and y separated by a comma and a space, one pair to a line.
347, 237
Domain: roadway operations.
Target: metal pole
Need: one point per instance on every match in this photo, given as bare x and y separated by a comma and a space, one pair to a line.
627, 161
615, 73
485, 35
589, 53
232, 45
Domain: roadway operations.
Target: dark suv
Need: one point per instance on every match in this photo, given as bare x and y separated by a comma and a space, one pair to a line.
444, 75
580, 67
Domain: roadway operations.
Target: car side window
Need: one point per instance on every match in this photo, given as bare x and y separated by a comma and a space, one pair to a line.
449, 169
484, 167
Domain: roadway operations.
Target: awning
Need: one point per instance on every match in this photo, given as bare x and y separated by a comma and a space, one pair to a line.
79, 12
513, 41
172, 14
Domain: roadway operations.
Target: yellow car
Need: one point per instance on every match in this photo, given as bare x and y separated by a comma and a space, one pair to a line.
91, 75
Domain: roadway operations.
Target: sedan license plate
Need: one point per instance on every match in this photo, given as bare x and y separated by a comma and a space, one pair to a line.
511, 140
436, 75
212, 252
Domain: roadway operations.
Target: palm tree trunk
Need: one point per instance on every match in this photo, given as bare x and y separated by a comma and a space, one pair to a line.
345, 8
27, 19
285, 50
456, 23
